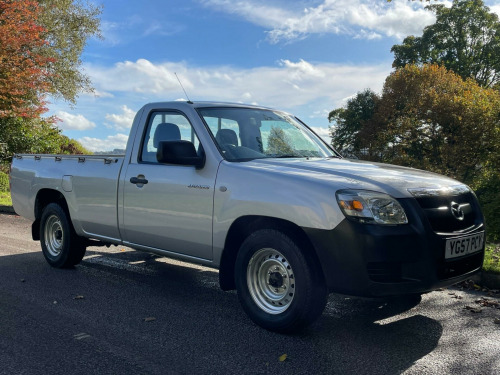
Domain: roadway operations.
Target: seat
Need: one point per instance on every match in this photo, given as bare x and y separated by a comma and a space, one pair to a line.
163, 132
226, 137
166, 132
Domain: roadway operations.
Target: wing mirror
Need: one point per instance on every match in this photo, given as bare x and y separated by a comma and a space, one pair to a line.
179, 152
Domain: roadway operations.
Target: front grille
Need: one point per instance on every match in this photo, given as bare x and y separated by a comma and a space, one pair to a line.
459, 267
439, 212
384, 272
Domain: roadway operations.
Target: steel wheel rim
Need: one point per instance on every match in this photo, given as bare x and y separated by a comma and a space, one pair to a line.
271, 281
54, 235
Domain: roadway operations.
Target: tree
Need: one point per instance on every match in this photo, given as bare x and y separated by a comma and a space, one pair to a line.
34, 135
24, 71
40, 47
426, 117
350, 120
68, 24
278, 142
465, 39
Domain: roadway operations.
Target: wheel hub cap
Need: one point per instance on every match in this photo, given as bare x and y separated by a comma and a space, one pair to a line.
270, 281
54, 235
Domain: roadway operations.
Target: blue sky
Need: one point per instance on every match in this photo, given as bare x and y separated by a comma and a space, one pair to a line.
306, 57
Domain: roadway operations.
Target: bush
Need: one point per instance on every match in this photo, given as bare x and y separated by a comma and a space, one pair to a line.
488, 193
4, 182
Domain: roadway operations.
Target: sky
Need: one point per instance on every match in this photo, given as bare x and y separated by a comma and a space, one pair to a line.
306, 57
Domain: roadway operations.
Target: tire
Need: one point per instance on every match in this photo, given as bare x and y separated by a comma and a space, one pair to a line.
279, 287
61, 246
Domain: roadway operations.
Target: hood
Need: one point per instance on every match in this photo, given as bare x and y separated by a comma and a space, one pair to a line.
356, 174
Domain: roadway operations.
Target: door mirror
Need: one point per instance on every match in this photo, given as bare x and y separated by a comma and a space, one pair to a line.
179, 152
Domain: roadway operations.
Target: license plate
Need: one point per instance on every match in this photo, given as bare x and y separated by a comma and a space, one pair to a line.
457, 247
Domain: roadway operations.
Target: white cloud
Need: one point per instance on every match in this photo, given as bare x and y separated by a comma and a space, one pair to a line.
122, 121
74, 122
323, 133
368, 19
141, 76
286, 85
495, 9
118, 141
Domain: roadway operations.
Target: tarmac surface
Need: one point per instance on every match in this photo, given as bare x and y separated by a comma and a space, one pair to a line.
125, 312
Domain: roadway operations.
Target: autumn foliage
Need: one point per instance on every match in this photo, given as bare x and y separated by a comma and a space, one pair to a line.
24, 72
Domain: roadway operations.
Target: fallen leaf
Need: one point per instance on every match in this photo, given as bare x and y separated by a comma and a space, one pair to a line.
473, 309
55, 302
283, 358
150, 319
79, 297
486, 302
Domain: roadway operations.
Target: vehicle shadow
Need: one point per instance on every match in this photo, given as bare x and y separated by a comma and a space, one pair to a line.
145, 314
362, 336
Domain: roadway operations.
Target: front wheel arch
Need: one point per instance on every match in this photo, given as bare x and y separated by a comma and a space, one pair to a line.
243, 227
280, 287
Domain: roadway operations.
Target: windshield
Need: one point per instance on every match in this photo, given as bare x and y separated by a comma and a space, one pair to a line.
247, 133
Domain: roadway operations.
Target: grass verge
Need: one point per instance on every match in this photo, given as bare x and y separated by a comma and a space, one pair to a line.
5, 198
492, 258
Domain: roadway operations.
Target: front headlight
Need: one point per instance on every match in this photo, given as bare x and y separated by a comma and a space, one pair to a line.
371, 207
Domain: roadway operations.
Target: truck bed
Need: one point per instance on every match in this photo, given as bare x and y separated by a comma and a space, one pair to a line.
89, 184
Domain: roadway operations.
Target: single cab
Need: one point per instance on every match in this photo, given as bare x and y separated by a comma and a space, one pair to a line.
257, 194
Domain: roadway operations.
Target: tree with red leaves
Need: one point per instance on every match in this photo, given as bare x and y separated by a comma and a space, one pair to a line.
24, 72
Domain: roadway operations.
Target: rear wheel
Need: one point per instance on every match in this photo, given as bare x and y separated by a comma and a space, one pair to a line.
279, 286
61, 246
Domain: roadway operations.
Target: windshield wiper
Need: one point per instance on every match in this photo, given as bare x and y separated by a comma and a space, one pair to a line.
285, 156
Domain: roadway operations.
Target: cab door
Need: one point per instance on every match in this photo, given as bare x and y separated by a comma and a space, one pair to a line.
168, 207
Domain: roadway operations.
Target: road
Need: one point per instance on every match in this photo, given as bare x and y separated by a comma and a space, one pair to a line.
126, 312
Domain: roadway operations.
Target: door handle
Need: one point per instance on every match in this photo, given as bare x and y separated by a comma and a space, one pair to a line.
136, 180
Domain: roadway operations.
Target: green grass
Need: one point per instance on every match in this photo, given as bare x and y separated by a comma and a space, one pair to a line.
5, 198
492, 258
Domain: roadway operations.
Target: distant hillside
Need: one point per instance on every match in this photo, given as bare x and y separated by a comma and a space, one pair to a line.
116, 151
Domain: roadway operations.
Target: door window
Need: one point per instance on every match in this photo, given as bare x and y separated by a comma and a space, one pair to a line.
166, 126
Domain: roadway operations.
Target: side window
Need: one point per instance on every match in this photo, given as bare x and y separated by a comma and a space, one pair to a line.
166, 126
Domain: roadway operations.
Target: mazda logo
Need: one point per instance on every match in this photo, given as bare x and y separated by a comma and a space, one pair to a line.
456, 211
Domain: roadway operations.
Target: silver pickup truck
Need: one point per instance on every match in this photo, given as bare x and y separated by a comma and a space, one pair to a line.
255, 193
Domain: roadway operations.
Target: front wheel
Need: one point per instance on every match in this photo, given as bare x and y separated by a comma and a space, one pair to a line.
279, 286
61, 246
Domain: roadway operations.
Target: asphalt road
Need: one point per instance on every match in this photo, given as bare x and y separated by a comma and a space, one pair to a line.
126, 312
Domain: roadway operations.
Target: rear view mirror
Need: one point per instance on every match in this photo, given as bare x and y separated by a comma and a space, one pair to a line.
179, 152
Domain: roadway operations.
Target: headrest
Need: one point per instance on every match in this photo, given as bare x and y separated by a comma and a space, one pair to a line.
227, 137
166, 132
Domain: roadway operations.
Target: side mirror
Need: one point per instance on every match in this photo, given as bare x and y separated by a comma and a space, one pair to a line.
179, 152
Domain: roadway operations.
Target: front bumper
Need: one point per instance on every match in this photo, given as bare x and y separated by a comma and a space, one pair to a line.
375, 260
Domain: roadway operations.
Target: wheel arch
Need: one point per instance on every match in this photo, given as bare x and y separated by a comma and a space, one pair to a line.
43, 198
242, 227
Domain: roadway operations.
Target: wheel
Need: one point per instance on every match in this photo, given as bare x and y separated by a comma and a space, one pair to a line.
61, 246
279, 287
